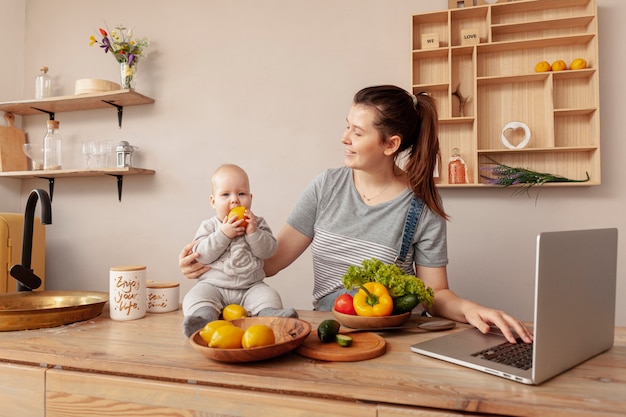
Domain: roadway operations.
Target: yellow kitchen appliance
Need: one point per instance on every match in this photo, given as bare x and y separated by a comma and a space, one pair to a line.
11, 230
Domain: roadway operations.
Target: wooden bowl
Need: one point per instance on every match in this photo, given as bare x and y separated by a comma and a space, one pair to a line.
362, 322
288, 332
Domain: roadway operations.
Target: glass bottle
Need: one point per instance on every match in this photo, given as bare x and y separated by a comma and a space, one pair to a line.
43, 84
52, 146
457, 169
437, 170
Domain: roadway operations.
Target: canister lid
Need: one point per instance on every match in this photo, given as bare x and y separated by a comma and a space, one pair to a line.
167, 284
128, 268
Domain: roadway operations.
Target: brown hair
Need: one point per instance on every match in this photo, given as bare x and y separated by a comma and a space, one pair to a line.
414, 120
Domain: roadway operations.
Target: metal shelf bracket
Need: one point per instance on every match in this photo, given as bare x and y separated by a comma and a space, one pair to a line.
50, 113
120, 111
120, 183
50, 184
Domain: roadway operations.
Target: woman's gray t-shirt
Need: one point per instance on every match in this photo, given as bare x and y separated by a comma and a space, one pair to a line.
346, 231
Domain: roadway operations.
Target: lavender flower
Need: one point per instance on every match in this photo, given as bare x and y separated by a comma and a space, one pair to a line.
506, 176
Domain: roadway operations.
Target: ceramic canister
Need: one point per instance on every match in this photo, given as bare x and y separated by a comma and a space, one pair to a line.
127, 292
163, 297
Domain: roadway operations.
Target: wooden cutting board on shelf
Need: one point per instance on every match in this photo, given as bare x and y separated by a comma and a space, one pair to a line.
364, 346
12, 140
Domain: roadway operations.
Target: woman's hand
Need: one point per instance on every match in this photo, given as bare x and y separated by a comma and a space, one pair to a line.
483, 318
188, 263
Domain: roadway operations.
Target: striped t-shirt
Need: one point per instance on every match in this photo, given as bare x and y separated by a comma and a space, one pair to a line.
346, 231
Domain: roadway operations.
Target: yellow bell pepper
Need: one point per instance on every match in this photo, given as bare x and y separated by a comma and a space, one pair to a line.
373, 300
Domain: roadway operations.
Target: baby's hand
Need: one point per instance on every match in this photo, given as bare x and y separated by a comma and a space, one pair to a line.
232, 227
252, 222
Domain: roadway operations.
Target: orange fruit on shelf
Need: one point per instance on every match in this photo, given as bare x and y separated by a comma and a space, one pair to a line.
233, 312
239, 213
558, 65
258, 335
578, 63
542, 66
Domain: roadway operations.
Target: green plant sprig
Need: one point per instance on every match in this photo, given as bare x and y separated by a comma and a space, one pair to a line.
507, 176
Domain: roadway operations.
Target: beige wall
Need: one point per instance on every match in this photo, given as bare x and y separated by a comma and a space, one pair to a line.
267, 85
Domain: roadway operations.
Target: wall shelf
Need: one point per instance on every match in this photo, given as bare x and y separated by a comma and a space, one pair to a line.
118, 99
51, 175
497, 73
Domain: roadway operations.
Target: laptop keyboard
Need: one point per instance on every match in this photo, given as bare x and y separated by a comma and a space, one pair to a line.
518, 355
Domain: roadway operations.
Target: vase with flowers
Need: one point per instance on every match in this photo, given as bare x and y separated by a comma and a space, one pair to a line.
126, 50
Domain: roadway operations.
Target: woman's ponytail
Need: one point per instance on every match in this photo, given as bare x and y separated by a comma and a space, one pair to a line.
424, 154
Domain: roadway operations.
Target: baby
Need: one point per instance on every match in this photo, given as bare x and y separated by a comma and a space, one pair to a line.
235, 249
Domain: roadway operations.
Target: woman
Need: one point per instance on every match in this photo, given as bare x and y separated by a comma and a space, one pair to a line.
358, 211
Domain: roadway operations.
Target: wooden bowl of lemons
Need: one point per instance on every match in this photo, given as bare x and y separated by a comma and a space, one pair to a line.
289, 333
363, 322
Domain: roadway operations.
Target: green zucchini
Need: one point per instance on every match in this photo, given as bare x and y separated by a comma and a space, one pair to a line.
344, 340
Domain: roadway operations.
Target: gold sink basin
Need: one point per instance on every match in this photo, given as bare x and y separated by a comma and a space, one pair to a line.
40, 309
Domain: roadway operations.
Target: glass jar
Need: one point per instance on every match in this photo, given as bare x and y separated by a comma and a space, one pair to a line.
43, 84
457, 169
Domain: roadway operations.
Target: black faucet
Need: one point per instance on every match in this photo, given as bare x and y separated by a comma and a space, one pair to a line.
26, 278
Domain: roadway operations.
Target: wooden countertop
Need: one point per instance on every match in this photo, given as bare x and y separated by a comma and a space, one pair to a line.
155, 348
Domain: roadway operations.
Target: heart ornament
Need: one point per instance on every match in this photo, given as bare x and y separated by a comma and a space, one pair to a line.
516, 132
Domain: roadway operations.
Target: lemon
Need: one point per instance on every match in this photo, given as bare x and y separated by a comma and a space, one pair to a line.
233, 312
239, 213
558, 65
207, 331
542, 66
578, 63
258, 335
226, 337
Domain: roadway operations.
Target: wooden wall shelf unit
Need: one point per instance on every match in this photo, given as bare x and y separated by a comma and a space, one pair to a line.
560, 108
118, 99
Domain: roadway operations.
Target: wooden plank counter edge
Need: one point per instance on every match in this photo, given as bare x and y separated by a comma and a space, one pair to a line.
154, 348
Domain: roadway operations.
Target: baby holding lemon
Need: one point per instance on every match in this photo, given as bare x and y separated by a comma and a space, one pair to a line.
234, 243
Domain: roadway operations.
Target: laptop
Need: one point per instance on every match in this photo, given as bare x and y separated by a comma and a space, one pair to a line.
574, 316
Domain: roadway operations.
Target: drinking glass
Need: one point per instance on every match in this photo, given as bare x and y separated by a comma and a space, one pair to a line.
88, 149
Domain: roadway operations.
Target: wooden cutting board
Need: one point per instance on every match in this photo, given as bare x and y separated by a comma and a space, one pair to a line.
12, 140
364, 346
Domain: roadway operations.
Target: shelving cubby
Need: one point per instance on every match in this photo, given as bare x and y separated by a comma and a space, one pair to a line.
497, 74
